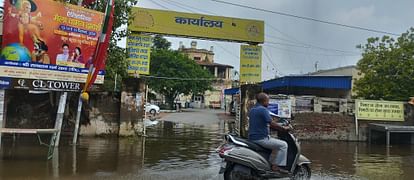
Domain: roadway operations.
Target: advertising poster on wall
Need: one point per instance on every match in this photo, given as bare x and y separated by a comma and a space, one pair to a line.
281, 107
48, 40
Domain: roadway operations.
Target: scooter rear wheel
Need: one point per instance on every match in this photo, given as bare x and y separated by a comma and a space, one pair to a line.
232, 174
302, 172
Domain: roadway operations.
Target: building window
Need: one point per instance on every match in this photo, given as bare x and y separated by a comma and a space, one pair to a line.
197, 58
211, 69
222, 73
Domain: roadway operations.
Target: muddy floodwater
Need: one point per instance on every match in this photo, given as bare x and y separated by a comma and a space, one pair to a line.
180, 148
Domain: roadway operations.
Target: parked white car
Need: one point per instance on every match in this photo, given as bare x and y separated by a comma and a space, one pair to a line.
152, 109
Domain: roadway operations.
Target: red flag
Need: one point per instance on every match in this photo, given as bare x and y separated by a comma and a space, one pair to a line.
102, 46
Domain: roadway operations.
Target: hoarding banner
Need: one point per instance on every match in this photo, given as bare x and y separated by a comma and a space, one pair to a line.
196, 25
30, 84
139, 51
42, 85
379, 110
281, 107
49, 40
250, 64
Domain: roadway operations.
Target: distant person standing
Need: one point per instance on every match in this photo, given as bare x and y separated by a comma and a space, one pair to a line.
231, 107
65, 54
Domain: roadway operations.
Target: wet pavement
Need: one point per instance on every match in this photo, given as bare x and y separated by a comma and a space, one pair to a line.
182, 147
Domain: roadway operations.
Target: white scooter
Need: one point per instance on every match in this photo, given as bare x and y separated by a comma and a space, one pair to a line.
243, 159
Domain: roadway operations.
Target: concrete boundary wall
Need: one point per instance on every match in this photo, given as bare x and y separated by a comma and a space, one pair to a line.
103, 115
339, 126
318, 118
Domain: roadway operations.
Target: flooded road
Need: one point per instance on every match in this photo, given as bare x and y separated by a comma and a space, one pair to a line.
182, 147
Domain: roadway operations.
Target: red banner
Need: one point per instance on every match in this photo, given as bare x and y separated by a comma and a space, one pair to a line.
102, 48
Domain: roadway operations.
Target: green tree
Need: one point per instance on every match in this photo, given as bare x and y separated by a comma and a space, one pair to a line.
116, 62
160, 43
176, 74
387, 68
116, 67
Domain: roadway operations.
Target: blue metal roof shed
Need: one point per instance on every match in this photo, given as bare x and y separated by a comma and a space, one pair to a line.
231, 91
320, 82
324, 86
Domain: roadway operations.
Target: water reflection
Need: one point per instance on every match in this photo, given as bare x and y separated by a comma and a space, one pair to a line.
351, 160
186, 151
169, 147
178, 146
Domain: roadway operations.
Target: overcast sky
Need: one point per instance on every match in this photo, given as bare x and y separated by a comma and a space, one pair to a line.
294, 58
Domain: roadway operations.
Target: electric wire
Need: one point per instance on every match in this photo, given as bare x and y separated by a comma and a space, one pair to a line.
179, 78
290, 51
308, 18
304, 45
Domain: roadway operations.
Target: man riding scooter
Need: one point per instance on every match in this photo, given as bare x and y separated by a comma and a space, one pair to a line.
259, 122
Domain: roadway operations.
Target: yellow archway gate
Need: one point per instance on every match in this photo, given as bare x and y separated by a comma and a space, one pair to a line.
199, 26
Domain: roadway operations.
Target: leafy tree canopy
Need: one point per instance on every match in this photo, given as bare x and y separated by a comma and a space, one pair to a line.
160, 43
177, 74
387, 68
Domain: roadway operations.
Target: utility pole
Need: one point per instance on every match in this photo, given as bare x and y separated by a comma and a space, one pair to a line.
145, 110
79, 110
116, 78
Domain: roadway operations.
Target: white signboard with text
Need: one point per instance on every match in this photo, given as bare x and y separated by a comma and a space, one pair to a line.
281, 107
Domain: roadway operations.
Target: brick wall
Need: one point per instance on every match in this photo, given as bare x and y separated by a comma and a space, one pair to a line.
322, 126
336, 126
